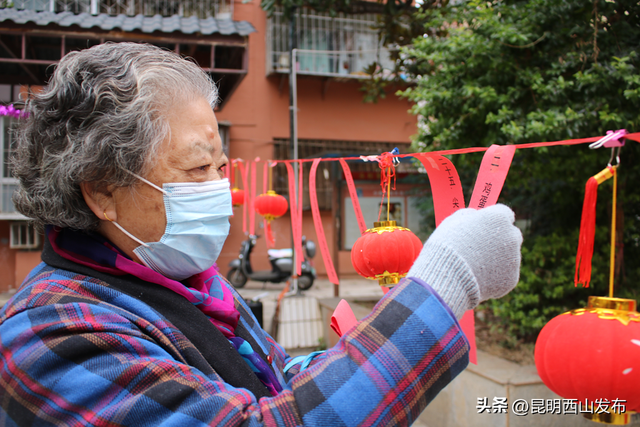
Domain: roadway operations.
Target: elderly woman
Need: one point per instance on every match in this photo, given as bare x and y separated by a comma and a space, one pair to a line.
127, 321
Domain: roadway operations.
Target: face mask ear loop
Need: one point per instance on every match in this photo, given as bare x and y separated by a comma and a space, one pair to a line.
129, 234
134, 238
149, 182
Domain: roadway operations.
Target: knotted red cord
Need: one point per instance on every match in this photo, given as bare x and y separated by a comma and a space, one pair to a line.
387, 171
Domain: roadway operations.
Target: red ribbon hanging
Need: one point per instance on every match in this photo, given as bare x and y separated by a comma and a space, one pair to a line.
252, 198
446, 188
266, 225
354, 196
317, 221
245, 205
491, 176
300, 200
296, 218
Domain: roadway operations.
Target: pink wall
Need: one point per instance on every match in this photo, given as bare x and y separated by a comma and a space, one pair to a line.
328, 110
334, 110
25, 262
7, 259
14, 264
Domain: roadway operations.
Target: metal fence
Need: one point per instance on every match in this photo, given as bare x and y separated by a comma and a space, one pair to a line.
340, 46
220, 9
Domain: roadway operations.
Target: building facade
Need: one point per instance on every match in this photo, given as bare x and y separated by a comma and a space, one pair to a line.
245, 51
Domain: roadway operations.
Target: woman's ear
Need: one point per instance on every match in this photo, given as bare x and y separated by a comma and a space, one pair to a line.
101, 202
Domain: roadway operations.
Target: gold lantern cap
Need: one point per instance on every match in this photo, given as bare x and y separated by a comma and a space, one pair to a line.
621, 304
388, 279
607, 308
384, 226
611, 418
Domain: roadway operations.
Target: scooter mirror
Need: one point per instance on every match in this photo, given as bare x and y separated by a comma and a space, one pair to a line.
310, 248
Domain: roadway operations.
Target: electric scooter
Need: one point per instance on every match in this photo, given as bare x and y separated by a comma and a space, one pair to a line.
281, 265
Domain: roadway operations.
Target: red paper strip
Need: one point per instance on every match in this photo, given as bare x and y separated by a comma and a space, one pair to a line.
491, 176
633, 136
265, 177
317, 221
300, 200
354, 196
343, 318
252, 210
448, 197
446, 188
271, 239
296, 220
468, 325
245, 205
229, 176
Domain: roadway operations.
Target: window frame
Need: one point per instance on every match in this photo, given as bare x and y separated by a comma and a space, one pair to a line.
23, 229
7, 210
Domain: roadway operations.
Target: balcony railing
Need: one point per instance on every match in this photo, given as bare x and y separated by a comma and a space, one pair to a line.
341, 46
220, 9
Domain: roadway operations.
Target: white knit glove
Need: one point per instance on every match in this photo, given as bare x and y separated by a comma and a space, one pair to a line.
472, 256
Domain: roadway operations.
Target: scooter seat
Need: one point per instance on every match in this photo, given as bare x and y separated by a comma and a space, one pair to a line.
280, 253
266, 276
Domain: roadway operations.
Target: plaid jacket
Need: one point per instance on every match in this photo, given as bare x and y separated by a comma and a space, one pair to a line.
76, 351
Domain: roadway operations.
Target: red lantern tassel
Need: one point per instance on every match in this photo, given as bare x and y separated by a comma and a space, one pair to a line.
271, 240
588, 227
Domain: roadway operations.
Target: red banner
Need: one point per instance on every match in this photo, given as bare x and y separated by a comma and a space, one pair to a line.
317, 221
446, 188
252, 197
243, 175
354, 196
296, 218
270, 237
491, 176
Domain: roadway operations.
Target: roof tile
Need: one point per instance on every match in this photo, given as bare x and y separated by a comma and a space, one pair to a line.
146, 24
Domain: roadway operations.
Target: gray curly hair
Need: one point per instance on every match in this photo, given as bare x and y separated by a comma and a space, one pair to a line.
102, 116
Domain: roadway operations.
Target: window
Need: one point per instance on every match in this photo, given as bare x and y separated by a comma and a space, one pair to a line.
24, 236
8, 184
342, 46
223, 128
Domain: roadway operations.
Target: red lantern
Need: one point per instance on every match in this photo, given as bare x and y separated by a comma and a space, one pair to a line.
385, 253
237, 197
593, 354
271, 205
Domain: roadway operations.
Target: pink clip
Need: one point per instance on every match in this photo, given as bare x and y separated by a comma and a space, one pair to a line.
612, 140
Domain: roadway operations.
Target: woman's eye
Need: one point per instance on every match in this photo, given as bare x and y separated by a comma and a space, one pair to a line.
203, 168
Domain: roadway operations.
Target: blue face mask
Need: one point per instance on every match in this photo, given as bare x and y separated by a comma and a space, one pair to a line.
197, 226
